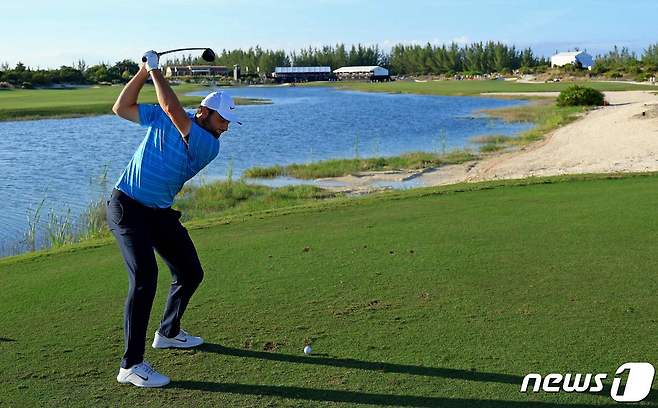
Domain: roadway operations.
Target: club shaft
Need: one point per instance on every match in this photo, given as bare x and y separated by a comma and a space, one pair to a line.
179, 49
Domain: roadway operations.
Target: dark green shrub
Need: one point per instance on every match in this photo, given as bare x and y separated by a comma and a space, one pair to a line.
600, 68
571, 67
642, 77
540, 69
577, 95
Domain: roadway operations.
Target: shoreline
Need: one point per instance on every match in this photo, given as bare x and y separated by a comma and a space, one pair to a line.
478, 88
408, 170
619, 138
62, 103
78, 111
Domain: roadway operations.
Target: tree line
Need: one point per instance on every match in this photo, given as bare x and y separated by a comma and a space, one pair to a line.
401, 60
620, 61
77, 73
447, 59
474, 59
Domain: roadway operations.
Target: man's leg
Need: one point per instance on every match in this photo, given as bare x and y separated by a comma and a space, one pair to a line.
128, 227
176, 248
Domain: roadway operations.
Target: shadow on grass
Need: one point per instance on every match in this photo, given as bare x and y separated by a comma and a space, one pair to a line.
468, 375
6, 340
312, 394
366, 398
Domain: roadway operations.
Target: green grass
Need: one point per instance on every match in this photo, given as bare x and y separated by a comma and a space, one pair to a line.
472, 87
544, 114
432, 297
24, 104
220, 199
215, 199
342, 167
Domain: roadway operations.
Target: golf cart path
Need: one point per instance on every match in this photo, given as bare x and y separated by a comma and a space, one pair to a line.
621, 137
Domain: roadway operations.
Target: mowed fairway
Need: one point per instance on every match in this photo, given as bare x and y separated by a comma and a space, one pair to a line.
439, 297
477, 87
23, 104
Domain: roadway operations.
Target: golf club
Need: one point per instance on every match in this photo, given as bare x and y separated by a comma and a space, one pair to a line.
208, 54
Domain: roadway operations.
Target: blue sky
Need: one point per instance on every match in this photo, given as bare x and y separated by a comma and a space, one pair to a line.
49, 34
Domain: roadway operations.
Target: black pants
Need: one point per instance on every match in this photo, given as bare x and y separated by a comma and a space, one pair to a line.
139, 230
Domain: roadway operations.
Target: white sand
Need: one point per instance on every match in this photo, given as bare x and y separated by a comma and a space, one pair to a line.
615, 138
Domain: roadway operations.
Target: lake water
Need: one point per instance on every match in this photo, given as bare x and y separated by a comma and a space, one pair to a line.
61, 161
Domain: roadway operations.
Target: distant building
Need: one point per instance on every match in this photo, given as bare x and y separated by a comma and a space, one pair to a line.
574, 57
372, 73
196, 70
302, 74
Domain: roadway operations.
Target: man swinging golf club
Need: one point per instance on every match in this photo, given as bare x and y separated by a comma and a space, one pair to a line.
176, 147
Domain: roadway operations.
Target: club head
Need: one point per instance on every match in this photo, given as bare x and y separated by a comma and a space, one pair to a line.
208, 55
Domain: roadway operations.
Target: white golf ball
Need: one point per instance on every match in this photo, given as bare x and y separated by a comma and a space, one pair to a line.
308, 350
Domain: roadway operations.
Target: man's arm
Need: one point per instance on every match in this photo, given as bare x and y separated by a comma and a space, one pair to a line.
170, 103
126, 104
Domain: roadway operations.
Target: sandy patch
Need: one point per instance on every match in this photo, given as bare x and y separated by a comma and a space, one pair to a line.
615, 138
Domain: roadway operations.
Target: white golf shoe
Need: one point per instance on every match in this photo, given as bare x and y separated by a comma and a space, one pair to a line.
182, 340
142, 375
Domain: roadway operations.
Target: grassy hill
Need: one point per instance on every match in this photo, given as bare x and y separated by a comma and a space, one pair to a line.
433, 297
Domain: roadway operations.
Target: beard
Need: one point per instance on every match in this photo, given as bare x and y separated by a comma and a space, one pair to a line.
205, 124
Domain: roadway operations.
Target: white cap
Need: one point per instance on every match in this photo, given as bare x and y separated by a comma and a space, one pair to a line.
223, 104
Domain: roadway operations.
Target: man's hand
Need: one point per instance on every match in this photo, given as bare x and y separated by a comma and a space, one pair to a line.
152, 60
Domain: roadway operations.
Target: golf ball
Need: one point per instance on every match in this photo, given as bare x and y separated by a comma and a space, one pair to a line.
307, 350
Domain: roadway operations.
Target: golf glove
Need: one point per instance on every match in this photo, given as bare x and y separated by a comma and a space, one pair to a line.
151, 60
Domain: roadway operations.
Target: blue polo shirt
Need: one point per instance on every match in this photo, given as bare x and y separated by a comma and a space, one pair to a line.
163, 161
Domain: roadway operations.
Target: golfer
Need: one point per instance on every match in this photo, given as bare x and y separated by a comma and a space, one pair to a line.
176, 147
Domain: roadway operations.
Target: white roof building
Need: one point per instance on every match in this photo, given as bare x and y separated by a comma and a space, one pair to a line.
371, 69
301, 70
572, 57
